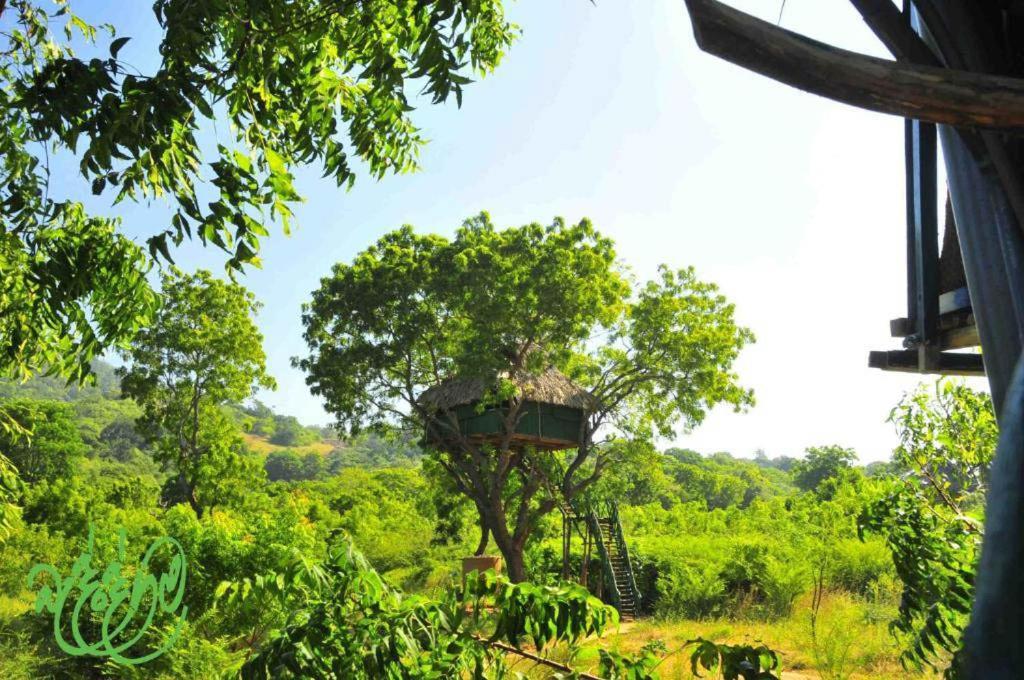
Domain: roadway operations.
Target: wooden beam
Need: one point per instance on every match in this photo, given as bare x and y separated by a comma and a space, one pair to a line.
959, 338
926, 93
908, 361
891, 27
955, 331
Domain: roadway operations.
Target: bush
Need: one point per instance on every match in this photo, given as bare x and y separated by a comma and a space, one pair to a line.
783, 581
858, 566
283, 466
696, 592
52, 451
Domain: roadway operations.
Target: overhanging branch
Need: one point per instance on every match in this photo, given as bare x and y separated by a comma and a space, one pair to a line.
936, 95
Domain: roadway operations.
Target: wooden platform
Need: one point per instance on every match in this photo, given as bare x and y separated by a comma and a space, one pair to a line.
956, 330
942, 363
521, 440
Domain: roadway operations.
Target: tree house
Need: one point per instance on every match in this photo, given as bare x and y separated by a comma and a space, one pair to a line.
550, 416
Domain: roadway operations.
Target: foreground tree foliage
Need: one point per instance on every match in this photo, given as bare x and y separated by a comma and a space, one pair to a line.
202, 352
314, 81
931, 517
351, 624
10, 482
413, 311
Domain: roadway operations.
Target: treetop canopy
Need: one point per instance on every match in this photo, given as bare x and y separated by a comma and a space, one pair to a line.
418, 315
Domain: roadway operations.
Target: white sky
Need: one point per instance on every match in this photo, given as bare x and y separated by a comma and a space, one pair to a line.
791, 203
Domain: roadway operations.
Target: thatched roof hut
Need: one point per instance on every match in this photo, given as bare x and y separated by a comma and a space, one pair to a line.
551, 416
549, 387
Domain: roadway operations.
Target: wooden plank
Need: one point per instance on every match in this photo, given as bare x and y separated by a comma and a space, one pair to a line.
947, 363
901, 328
959, 338
954, 332
926, 93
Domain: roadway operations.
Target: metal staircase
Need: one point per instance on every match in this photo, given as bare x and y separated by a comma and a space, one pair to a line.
614, 553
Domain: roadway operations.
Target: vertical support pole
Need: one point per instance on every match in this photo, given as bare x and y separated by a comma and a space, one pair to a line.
922, 239
585, 569
566, 528
993, 252
993, 648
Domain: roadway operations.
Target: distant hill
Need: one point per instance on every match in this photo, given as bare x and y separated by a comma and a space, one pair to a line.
261, 445
105, 422
105, 384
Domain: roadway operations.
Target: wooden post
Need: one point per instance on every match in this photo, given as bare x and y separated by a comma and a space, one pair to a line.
566, 540
922, 238
585, 567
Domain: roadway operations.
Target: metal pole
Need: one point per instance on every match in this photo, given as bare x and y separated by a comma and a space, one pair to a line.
922, 239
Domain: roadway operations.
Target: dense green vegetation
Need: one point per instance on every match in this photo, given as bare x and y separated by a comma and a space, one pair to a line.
714, 538
318, 553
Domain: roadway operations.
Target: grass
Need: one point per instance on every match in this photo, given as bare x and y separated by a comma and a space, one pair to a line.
263, 447
852, 642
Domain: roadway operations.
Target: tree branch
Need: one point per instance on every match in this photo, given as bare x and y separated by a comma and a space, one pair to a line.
536, 658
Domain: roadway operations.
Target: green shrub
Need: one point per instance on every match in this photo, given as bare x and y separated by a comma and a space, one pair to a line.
782, 582
859, 565
696, 592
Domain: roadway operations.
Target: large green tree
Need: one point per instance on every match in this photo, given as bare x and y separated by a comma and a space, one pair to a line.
822, 467
202, 352
290, 82
415, 310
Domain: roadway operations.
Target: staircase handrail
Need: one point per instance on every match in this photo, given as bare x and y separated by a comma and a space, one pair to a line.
620, 539
606, 563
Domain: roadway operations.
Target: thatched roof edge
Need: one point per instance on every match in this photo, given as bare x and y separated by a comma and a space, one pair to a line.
549, 387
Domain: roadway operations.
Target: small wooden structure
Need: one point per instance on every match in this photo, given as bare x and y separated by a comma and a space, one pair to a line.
479, 563
550, 416
940, 316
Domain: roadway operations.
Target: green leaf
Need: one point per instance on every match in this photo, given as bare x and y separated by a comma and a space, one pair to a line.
116, 46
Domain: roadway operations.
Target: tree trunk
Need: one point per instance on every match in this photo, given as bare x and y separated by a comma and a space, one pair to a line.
190, 495
485, 535
493, 517
514, 563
